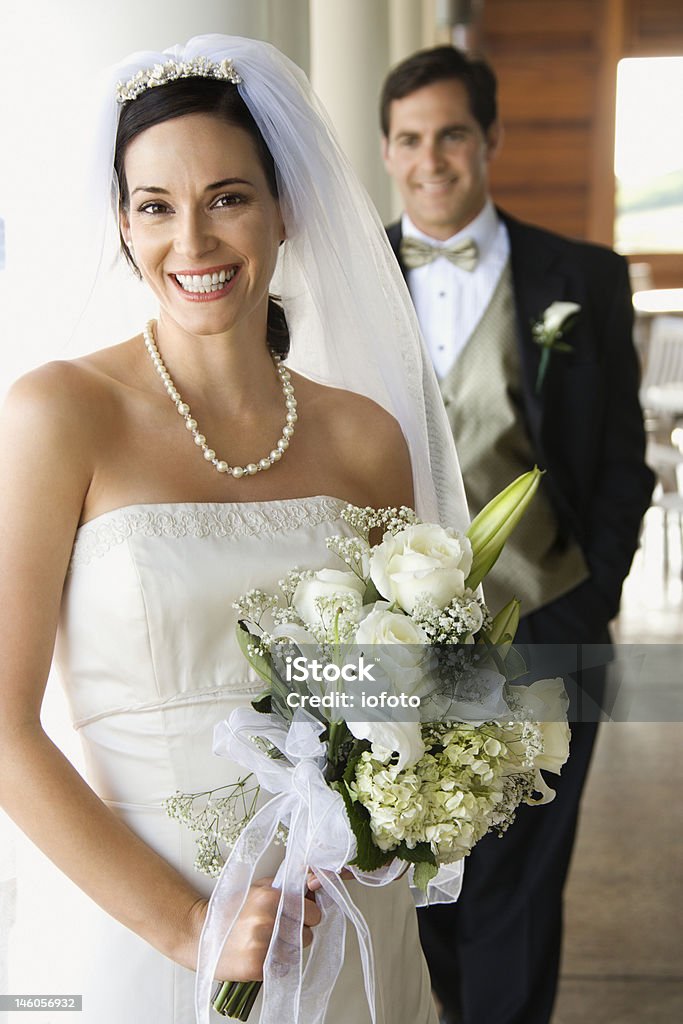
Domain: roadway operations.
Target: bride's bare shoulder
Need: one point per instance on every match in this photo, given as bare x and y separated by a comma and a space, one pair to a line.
71, 393
357, 429
345, 413
74, 383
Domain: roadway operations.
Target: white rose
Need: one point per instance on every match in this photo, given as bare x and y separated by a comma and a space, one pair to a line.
384, 627
547, 701
421, 560
556, 736
402, 662
557, 314
328, 583
387, 738
404, 656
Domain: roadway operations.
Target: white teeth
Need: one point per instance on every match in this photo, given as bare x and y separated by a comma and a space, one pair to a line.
435, 186
203, 283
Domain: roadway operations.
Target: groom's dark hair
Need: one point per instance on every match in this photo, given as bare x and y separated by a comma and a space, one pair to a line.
439, 64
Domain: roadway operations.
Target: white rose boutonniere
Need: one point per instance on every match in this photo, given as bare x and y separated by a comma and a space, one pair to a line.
548, 331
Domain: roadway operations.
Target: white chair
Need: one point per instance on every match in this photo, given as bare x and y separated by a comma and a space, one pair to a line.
667, 463
661, 390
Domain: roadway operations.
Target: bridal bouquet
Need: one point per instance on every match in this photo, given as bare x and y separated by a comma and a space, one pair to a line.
388, 733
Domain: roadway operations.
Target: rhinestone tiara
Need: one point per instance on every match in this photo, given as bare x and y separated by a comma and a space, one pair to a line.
171, 71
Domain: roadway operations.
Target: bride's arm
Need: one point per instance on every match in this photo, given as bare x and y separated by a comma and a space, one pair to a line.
46, 465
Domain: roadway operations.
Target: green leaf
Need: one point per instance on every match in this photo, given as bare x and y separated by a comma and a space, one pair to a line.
422, 853
263, 666
369, 856
263, 704
371, 594
423, 874
359, 747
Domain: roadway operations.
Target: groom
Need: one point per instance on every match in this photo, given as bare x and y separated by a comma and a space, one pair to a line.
479, 280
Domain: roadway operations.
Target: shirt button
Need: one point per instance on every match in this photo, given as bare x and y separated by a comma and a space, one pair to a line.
442, 295
441, 348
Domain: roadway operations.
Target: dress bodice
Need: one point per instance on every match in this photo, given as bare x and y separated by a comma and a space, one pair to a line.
146, 646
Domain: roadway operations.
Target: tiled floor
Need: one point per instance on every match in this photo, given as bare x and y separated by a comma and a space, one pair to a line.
623, 957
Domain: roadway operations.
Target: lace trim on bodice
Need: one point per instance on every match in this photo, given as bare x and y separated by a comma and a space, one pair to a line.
201, 519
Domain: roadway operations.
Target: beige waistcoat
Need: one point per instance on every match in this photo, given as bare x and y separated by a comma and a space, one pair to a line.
482, 394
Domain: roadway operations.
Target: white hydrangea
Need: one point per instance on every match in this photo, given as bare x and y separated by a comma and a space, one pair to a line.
452, 796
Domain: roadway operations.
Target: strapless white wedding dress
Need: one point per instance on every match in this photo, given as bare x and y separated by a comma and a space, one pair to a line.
149, 660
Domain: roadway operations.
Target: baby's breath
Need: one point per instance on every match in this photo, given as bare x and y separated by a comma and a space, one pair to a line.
217, 820
338, 617
462, 617
254, 604
292, 579
393, 519
353, 551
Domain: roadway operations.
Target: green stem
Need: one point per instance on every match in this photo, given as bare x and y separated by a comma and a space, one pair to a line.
236, 999
542, 367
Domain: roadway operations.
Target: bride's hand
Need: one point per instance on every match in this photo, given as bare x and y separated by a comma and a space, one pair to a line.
245, 951
314, 883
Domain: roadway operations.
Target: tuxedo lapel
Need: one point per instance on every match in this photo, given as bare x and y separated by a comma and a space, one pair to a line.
537, 281
395, 234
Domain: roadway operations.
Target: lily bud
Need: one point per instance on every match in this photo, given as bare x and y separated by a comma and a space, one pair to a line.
489, 530
504, 626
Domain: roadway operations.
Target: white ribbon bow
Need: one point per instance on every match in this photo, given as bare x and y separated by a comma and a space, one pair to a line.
320, 839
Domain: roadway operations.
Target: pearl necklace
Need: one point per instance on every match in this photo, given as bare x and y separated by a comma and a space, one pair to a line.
209, 454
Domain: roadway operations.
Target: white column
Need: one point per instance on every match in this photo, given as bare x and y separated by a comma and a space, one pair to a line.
430, 32
349, 58
289, 30
406, 35
405, 28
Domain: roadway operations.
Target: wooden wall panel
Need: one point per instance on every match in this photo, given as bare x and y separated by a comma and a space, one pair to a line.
560, 160
556, 64
557, 208
534, 26
653, 28
545, 89
547, 57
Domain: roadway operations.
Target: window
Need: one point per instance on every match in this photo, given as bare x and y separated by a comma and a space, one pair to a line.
648, 160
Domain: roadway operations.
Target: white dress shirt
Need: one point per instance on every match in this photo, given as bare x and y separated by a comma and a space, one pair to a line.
450, 301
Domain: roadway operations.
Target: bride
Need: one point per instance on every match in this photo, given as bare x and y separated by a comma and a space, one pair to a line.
153, 482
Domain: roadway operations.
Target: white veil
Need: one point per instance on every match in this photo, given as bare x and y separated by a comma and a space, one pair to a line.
350, 316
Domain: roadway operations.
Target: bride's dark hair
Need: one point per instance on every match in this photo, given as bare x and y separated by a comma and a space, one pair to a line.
197, 96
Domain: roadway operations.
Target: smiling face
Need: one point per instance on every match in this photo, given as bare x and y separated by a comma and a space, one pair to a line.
439, 155
202, 221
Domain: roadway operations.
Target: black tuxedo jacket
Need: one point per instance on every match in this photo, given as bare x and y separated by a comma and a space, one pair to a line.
586, 425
